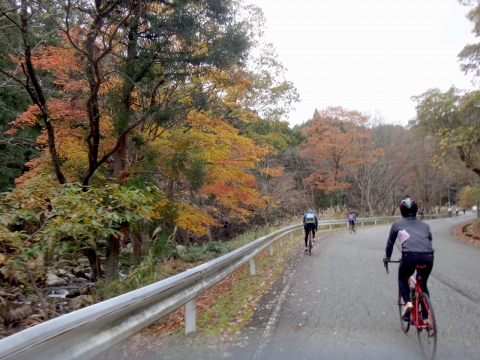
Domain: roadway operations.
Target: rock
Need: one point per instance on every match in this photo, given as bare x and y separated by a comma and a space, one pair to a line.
80, 302
68, 256
13, 311
62, 264
181, 249
71, 277
61, 272
82, 274
84, 261
84, 290
54, 280
73, 294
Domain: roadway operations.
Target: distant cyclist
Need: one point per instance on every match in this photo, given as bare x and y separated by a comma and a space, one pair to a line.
310, 222
415, 238
351, 219
422, 213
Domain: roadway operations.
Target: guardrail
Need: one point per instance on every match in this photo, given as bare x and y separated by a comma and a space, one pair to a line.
87, 332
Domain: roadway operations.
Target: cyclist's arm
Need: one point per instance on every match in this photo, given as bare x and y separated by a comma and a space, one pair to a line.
391, 241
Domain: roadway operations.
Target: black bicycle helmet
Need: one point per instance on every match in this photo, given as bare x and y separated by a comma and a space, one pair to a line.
408, 207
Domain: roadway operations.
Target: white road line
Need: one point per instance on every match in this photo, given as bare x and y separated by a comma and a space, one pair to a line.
271, 322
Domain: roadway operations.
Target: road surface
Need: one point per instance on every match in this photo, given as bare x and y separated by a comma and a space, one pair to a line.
340, 303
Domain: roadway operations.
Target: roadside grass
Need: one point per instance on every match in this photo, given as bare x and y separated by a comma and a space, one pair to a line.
223, 309
152, 269
232, 309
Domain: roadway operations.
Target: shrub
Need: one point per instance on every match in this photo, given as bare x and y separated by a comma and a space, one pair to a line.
196, 253
217, 248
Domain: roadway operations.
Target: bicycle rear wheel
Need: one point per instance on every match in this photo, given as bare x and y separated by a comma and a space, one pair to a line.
401, 304
427, 329
350, 228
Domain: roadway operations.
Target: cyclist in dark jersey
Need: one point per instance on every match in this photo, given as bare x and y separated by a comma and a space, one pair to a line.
310, 222
416, 240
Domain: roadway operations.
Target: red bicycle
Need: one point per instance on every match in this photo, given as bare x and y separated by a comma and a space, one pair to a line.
422, 316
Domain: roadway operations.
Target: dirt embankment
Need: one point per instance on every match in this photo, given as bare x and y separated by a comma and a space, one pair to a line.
469, 233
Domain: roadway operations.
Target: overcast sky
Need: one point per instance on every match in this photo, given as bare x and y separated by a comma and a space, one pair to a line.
368, 55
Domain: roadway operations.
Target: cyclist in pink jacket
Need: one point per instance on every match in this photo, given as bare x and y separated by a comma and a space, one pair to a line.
415, 238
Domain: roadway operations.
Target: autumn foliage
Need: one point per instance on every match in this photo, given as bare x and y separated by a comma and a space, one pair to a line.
338, 141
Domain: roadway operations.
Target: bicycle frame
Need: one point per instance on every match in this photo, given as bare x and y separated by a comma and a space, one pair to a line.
425, 325
415, 315
416, 319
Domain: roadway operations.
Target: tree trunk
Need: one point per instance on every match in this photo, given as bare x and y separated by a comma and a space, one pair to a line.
119, 159
36, 91
186, 241
131, 77
94, 261
113, 254
137, 245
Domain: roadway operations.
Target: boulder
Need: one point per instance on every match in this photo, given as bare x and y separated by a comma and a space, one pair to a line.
54, 280
62, 264
80, 302
181, 249
82, 274
84, 290
14, 311
61, 272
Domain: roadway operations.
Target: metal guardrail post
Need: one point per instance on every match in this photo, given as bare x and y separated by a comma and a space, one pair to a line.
271, 249
252, 266
281, 241
191, 316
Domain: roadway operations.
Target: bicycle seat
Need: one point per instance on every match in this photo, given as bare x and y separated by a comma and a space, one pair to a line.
420, 266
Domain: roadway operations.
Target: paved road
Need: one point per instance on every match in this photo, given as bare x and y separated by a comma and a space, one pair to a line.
340, 304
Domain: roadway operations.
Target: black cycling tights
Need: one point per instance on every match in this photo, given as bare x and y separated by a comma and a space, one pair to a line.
307, 228
407, 266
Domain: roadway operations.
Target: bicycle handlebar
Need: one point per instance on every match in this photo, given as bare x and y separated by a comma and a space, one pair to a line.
386, 264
